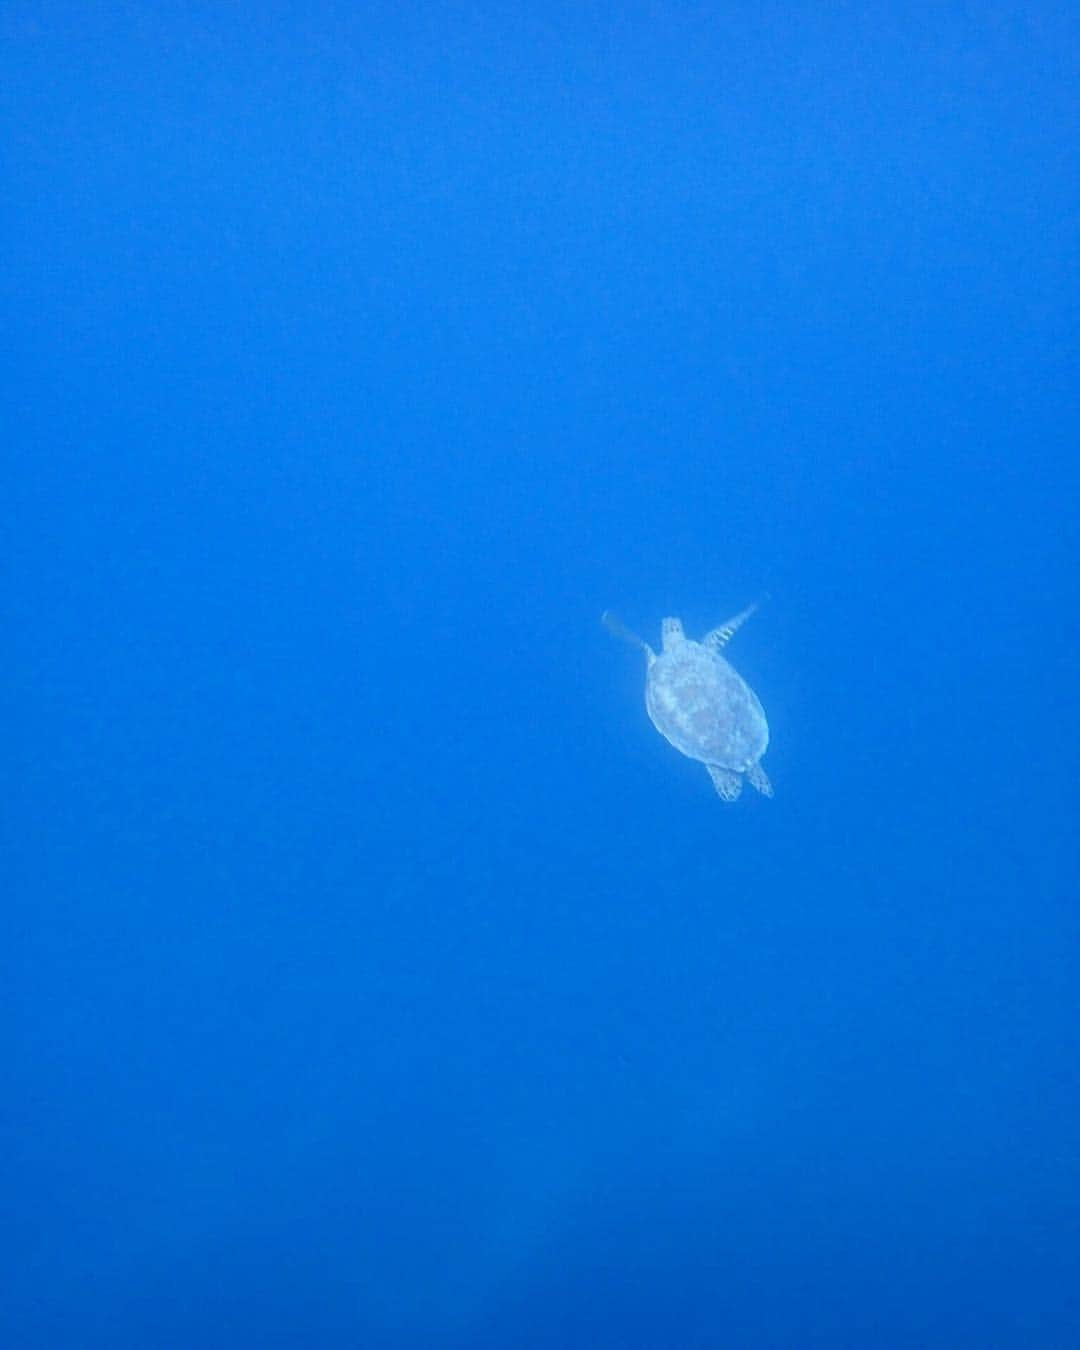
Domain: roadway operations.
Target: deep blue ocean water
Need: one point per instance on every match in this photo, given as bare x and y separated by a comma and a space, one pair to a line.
374, 974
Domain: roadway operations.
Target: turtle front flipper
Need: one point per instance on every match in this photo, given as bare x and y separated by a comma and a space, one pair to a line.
617, 628
726, 783
723, 633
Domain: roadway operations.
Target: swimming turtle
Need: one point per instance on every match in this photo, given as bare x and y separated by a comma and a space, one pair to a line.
698, 702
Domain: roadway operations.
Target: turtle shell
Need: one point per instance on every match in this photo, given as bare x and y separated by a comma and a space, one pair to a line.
699, 703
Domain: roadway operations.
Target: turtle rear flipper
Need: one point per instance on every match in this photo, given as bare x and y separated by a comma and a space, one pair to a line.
726, 782
758, 778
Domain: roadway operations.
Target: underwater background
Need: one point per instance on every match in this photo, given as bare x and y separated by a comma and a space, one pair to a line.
374, 974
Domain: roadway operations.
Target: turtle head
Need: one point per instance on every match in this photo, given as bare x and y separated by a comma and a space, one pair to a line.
671, 633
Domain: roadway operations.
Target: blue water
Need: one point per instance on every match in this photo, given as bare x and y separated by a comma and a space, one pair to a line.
374, 974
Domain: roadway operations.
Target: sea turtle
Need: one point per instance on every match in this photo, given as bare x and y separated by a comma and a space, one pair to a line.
698, 702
